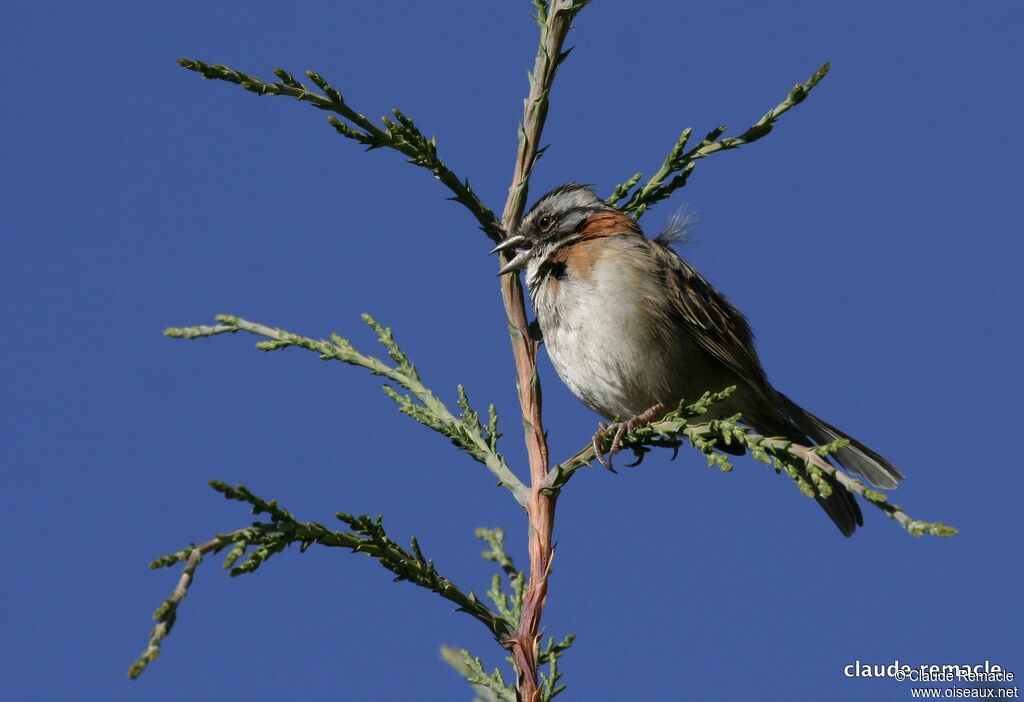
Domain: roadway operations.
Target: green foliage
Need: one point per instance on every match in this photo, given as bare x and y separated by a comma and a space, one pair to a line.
399, 134
678, 426
256, 544
464, 431
508, 602
549, 655
167, 614
679, 164
491, 686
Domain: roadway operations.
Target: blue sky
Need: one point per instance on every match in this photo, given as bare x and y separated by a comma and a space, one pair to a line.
873, 241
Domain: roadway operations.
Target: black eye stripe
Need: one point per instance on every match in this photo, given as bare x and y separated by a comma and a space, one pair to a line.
553, 219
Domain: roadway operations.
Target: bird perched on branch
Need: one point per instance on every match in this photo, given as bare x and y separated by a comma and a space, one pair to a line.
632, 329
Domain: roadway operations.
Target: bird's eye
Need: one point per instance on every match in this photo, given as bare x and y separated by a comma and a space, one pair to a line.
545, 222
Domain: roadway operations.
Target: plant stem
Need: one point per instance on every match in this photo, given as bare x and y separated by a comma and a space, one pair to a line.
540, 508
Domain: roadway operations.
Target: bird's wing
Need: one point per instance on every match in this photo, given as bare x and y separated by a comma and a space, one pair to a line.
711, 320
721, 329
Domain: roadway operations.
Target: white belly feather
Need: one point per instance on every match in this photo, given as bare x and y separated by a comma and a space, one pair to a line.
602, 339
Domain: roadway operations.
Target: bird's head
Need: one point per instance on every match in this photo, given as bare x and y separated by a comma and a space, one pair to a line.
557, 219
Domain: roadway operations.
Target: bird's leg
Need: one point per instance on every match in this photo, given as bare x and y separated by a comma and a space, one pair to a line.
641, 420
621, 428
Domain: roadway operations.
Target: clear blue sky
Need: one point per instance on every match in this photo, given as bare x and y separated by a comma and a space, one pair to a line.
873, 240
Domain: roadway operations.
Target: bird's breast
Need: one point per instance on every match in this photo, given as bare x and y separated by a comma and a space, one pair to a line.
602, 320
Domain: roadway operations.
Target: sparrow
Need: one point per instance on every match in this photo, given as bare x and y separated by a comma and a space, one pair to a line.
632, 329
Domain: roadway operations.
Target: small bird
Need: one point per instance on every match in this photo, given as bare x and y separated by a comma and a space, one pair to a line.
632, 329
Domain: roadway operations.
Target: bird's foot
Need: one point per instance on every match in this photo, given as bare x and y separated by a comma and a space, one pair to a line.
621, 428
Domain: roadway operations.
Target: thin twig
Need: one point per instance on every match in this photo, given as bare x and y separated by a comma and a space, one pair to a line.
681, 163
167, 612
399, 134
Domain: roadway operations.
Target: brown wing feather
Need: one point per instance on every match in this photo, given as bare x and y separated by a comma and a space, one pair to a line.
712, 321
723, 332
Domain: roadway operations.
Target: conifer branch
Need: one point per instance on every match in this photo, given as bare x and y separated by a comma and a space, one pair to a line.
490, 687
677, 427
256, 544
398, 133
679, 164
508, 602
550, 655
167, 613
464, 431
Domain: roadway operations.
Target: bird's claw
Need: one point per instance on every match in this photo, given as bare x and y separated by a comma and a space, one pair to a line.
639, 452
621, 428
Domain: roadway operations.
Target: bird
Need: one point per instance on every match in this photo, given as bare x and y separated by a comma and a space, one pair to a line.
632, 329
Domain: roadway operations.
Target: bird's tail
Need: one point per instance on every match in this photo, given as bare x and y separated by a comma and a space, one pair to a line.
855, 457
841, 506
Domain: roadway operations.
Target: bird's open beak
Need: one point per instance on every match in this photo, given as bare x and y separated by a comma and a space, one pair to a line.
520, 259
